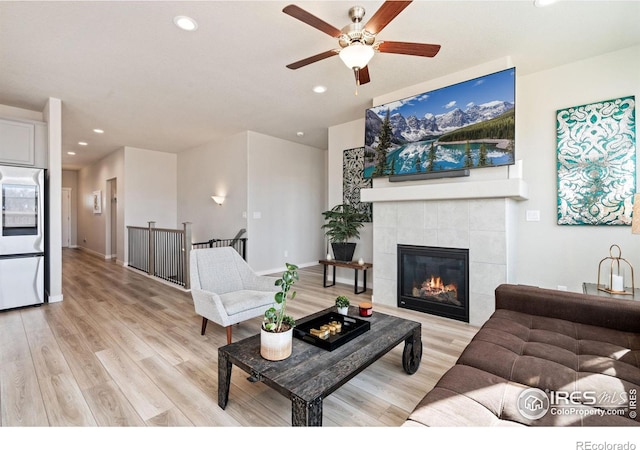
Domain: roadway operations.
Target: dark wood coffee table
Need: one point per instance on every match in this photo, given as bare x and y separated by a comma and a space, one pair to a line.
311, 373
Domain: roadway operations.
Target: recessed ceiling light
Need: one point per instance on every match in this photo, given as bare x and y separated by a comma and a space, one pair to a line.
319, 89
71, 153
98, 130
82, 143
185, 23
300, 133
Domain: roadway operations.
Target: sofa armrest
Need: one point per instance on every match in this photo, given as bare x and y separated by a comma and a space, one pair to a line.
614, 313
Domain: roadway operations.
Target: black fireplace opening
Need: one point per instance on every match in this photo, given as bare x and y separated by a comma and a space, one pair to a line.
434, 280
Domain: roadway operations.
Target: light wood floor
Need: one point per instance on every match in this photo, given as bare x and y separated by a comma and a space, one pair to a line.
122, 349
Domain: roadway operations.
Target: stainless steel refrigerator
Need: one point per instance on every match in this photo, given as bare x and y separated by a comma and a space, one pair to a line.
22, 237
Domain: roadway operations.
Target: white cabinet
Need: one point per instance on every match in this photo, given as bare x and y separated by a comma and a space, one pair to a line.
23, 143
21, 281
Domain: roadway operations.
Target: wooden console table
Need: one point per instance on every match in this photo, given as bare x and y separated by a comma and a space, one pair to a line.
348, 265
592, 289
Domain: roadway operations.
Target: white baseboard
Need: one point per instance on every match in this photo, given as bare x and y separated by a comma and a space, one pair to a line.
93, 252
283, 268
55, 298
159, 280
115, 258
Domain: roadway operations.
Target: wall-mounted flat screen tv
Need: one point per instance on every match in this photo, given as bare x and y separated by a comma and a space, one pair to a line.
463, 126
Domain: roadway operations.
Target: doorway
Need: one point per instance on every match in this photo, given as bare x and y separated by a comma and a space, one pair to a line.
66, 217
112, 219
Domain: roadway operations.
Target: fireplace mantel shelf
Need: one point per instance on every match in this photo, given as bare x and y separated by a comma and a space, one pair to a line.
514, 188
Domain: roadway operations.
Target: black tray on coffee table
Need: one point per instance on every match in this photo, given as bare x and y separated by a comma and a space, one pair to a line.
351, 328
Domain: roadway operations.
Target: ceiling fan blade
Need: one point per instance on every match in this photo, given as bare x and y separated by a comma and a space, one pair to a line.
409, 48
312, 59
385, 14
310, 19
363, 75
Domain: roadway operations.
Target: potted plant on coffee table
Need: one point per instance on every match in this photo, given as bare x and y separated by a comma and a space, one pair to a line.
342, 303
342, 223
276, 333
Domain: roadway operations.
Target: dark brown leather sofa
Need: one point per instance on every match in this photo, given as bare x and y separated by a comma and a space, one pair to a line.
544, 358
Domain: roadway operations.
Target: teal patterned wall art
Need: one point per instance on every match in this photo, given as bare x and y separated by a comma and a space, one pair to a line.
596, 163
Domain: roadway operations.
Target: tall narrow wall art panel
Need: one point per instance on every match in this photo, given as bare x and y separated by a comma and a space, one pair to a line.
596, 163
353, 180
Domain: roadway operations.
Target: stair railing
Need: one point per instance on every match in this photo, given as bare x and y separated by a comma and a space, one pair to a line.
161, 252
239, 243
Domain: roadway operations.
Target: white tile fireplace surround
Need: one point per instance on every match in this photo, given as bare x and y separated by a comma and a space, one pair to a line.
480, 216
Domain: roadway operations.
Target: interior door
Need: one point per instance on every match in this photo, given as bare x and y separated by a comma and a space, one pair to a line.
114, 218
66, 217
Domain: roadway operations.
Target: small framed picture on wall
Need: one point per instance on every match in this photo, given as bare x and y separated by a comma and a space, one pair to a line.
97, 202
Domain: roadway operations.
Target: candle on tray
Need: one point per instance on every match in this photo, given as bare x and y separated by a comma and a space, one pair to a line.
617, 283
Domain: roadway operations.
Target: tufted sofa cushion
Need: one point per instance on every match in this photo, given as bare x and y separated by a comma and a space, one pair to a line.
588, 371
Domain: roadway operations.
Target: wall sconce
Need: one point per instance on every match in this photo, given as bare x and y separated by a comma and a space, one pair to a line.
219, 199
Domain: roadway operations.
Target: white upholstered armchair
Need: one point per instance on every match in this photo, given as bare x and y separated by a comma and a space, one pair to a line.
226, 290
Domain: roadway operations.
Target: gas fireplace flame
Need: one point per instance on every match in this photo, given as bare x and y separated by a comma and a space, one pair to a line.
434, 285
433, 288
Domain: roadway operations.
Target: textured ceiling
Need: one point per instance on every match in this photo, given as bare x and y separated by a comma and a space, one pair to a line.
124, 67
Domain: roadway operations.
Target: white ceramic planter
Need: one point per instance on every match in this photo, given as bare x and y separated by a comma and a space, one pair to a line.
276, 346
343, 310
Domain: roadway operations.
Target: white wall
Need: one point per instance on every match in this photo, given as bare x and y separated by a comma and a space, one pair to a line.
274, 189
151, 193
92, 227
548, 255
286, 190
147, 191
344, 137
216, 168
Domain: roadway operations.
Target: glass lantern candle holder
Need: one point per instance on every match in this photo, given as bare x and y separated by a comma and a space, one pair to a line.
612, 271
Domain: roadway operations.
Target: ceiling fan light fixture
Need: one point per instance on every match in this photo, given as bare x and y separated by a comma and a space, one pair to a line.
356, 55
185, 23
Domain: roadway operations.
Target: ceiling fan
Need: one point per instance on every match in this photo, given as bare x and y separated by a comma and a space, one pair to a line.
358, 42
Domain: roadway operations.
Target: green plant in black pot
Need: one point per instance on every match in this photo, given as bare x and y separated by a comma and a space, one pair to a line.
342, 223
